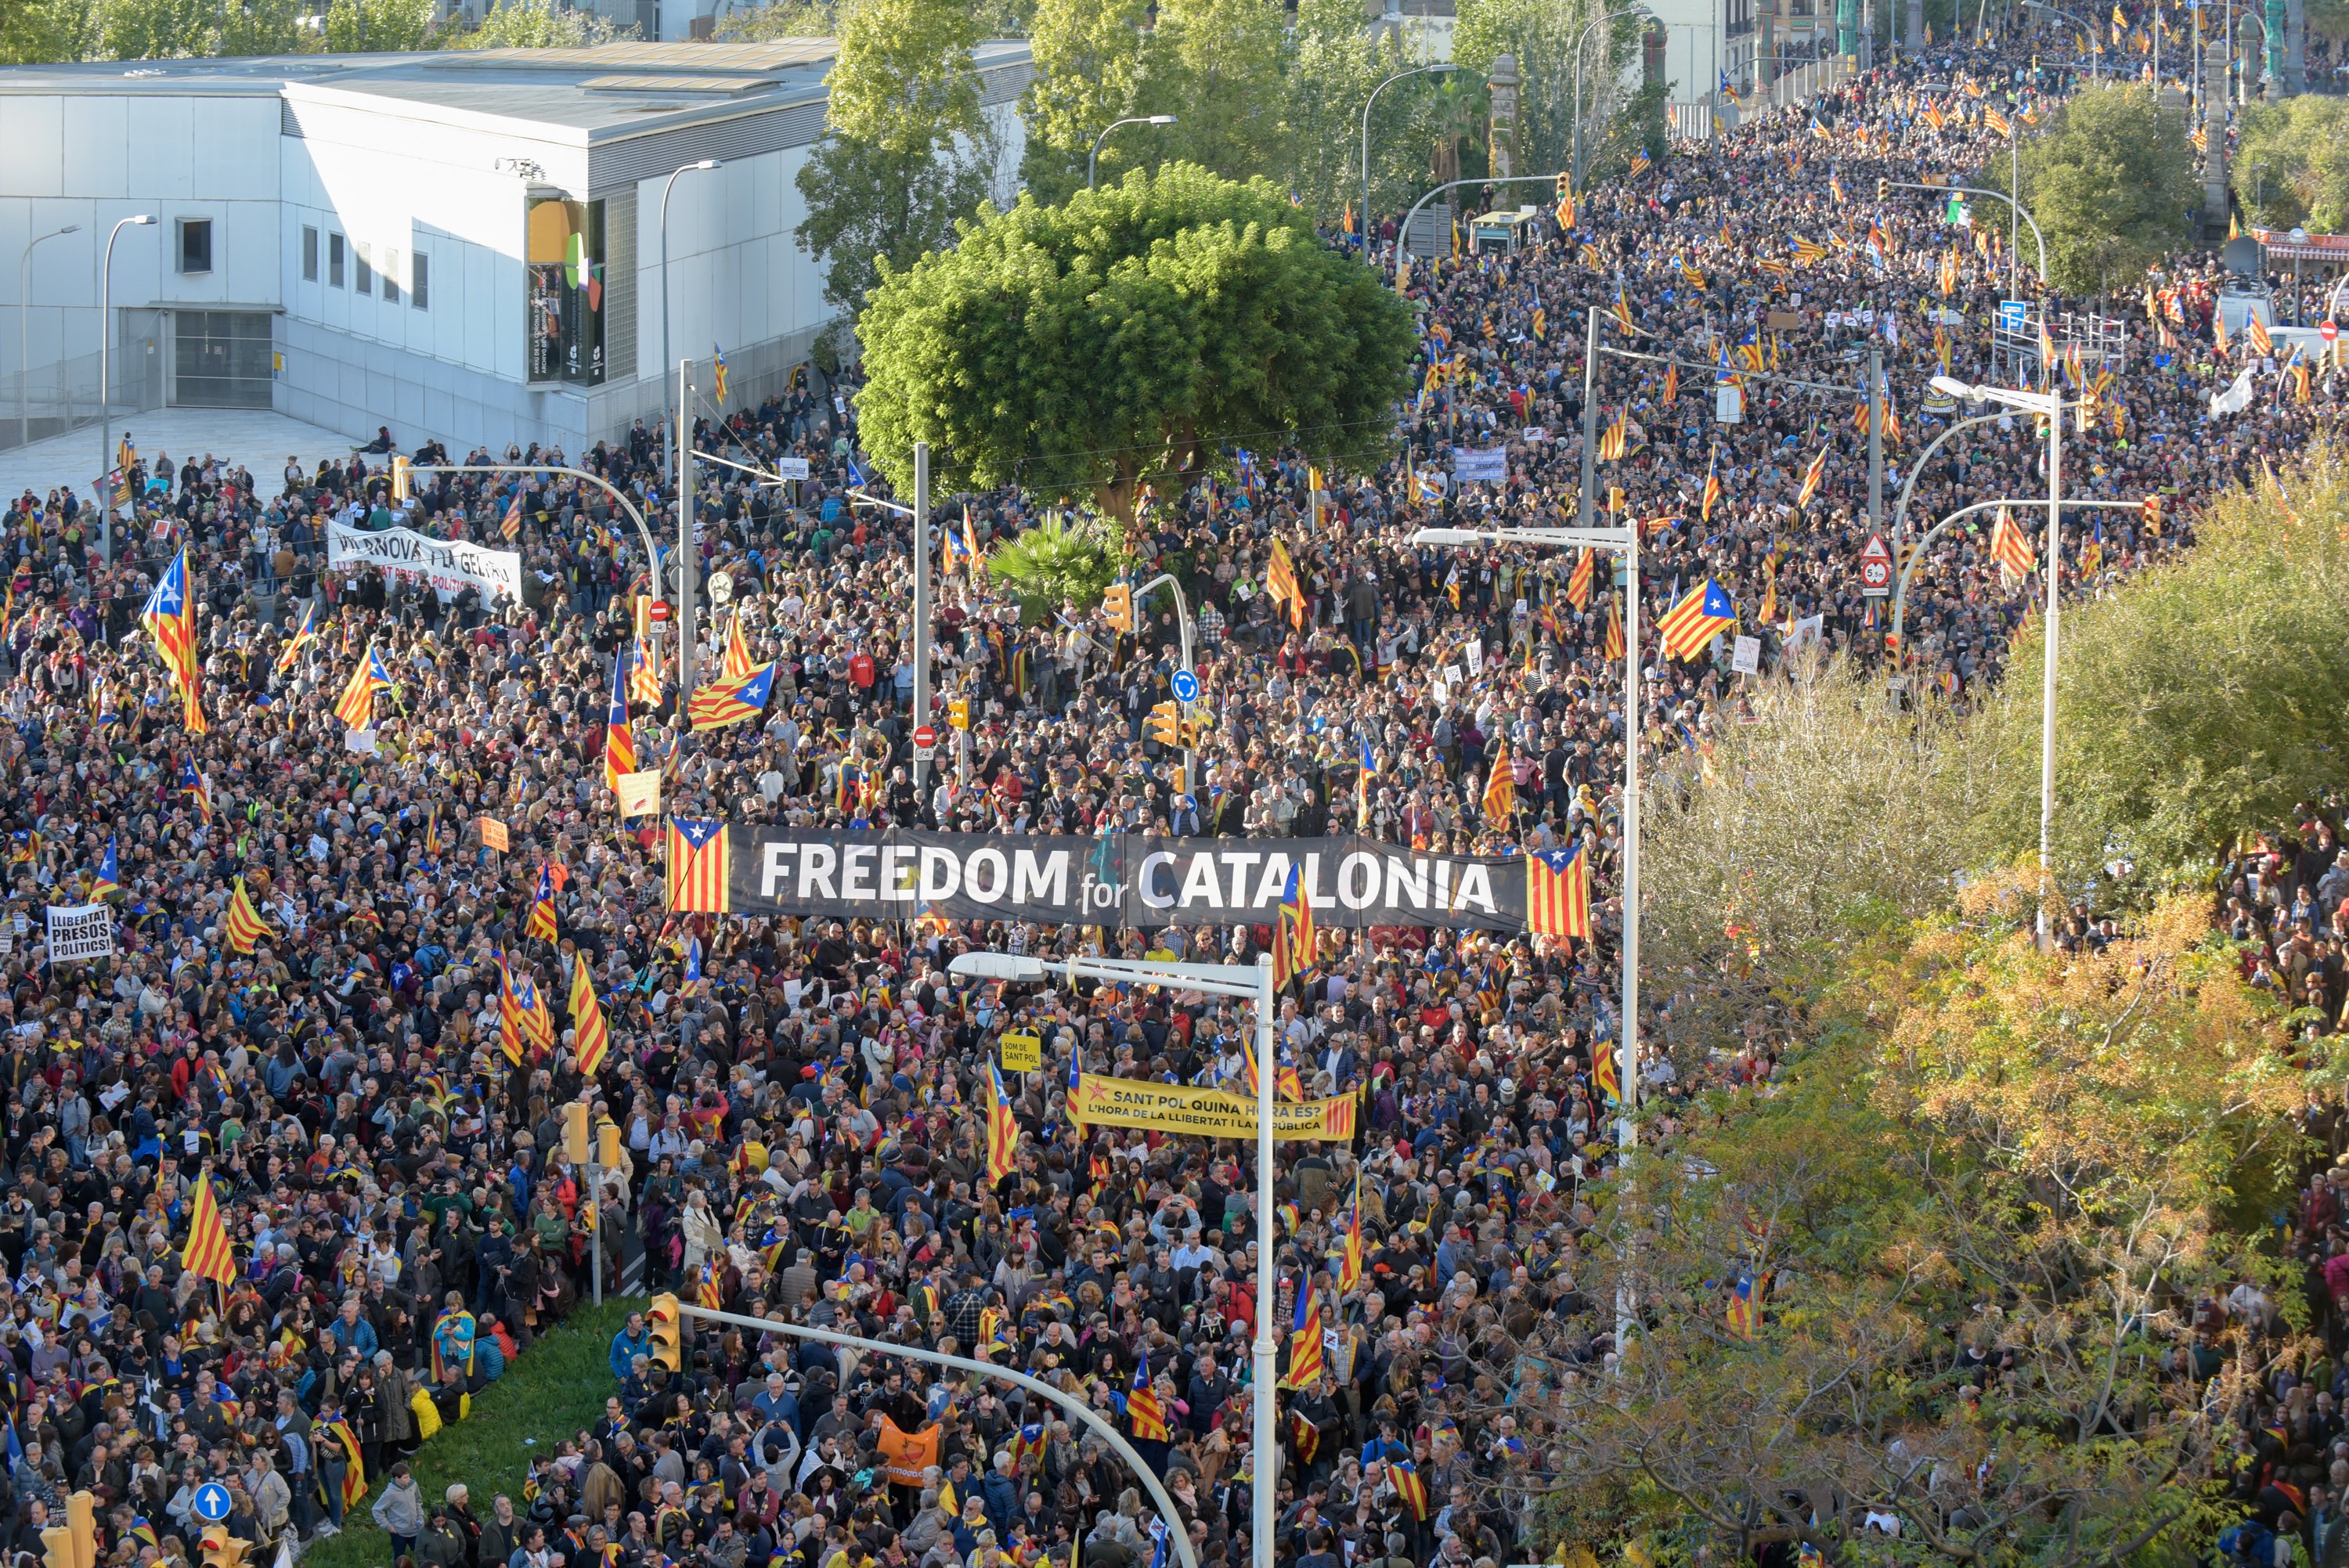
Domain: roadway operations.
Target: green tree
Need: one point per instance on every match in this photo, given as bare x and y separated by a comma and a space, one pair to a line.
1088, 58
1541, 34
907, 149
1220, 68
2112, 184
358, 26
1134, 333
1335, 64
2304, 142
783, 19
2192, 700
1988, 1146
1061, 561
511, 25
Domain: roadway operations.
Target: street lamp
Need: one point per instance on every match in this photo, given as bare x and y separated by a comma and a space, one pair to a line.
1580, 39
1398, 76
1253, 984
1093, 158
24, 334
2096, 54
2051, 404
105, 391
684, 486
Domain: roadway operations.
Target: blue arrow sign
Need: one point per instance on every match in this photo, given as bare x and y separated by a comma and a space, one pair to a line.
212, 1502
1186, 686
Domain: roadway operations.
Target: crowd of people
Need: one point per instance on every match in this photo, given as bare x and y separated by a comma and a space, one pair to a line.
801, 1103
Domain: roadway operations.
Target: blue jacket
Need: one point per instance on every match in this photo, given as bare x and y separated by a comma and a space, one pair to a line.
626, 1348
1001, 1503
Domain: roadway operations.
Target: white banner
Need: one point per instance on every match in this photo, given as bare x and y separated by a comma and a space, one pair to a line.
451, 565
80, 931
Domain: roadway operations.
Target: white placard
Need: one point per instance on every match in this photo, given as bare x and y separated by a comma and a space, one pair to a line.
1474, 655
359, 740
1809, 629
448, 564
1746, 656
792, 467
80, 931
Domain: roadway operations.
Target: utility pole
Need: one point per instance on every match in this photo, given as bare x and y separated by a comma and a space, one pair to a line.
921, 602
1875, 435
684, 561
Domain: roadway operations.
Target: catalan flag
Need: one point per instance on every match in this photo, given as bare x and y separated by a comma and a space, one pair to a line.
1612, 646
719, 374
1745, 1304
208, 1253
737, 652
2011, 550
1500, 800
590, 1038
355, 707
304, 635
170, 618
1615, 440
1557, 892
1812, 476
1280, 582
1002, 1128
1578, 581
1712, 487
698, 867
1690, 626
354, 1481
1608, 1072
729, 702
1142, 1411
1623, 309
1293, 938
2262, 344
619, 740
644, 676
1409, 1484
1350, 1261
240, 924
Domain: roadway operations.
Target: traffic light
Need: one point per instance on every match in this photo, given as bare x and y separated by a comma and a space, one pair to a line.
223, 1549
1883, 189
1165, 724
2152, 509
1118, 604
1188, 733
575, 1132
958, 712
399, 490
664, 1320
607, 1145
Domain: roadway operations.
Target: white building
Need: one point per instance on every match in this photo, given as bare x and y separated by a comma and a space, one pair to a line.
464, 246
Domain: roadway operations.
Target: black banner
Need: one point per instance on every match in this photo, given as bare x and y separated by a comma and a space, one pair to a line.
1120, 881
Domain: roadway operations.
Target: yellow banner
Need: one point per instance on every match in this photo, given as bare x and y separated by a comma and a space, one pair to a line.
1205, 1112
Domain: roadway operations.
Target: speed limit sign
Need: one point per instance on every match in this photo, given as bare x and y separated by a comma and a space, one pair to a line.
1875, 568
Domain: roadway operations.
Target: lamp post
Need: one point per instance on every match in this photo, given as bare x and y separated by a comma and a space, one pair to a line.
2020, 211
683, 488
105, 391
1253, 984
1900, 589
1093, 158
24, 336
2050, 404
1901, 526
1398, 76
2096, 54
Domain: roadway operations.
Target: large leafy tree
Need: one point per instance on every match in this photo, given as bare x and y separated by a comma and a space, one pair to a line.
907, 148
2193, 699
1542, 34
1129, 335
2112, 184
1088, 58
2304, 143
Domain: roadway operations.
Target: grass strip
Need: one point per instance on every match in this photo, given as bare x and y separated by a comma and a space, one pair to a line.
554, 1388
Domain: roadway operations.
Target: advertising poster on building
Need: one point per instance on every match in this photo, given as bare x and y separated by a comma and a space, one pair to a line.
565, 265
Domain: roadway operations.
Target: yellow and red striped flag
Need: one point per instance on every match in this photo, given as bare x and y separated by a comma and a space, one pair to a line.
208, 1253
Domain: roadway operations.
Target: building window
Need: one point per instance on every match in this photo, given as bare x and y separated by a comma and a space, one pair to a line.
195, 244
309, 254
420, 280
391, 277
363, 278
334, 260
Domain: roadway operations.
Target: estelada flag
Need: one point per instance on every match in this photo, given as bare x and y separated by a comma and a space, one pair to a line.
698, 867
1557, 893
